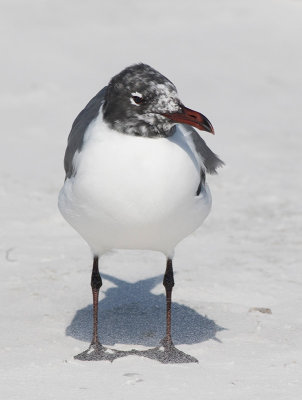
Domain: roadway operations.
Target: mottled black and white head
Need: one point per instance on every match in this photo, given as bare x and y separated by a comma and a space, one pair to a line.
141, 101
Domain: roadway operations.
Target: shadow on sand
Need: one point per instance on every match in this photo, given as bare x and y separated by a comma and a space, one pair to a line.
131, 314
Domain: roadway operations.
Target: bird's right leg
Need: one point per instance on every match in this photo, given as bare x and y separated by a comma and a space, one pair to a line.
95, 351
96, 283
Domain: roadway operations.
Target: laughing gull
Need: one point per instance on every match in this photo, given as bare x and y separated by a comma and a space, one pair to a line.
136, 175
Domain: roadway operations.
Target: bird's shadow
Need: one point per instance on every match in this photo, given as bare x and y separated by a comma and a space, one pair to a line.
131, 314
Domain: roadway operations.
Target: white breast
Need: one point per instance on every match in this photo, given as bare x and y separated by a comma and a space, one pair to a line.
134, 192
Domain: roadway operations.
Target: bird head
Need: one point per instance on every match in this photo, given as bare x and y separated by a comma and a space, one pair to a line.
141, 101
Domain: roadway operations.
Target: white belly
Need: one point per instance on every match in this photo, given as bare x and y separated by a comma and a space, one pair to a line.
134, 193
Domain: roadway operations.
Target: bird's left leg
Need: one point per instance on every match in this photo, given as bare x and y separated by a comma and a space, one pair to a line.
168, 283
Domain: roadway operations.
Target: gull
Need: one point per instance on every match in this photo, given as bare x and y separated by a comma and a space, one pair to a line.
136, 177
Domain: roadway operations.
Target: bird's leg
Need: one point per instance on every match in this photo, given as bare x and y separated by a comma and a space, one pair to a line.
96, 283
168, 283
95, 351
170, 354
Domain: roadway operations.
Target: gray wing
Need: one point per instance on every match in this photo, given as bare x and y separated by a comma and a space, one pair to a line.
210, 160
78, 129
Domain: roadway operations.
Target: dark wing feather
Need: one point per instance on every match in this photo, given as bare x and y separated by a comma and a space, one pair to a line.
81, 123
210, 160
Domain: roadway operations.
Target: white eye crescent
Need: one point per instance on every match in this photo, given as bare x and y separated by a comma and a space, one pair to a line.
136, 98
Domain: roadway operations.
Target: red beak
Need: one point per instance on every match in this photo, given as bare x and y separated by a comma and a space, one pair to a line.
191, 117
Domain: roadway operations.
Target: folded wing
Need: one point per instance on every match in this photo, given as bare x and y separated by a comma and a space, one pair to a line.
79, 127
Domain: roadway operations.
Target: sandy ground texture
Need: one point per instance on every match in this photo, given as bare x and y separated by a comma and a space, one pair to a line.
239, 62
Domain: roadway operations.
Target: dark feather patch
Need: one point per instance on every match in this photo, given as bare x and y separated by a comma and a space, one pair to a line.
211, 160
202, 182
76, 136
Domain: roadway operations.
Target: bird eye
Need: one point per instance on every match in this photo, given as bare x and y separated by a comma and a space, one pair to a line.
137, 99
